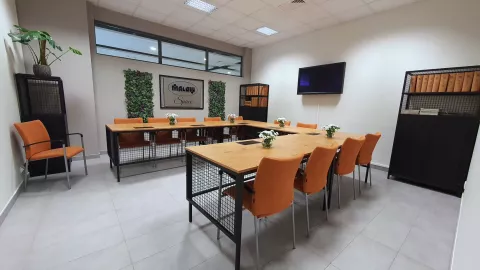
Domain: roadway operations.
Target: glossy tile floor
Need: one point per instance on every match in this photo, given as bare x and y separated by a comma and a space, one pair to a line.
142, 223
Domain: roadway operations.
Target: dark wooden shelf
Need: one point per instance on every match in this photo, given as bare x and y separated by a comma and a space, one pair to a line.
444, 94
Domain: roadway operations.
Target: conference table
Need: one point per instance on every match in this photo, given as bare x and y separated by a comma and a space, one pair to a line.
212, 168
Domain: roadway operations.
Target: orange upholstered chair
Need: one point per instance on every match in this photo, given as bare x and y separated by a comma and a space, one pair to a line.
365, 156
346, 161
239, 118
314, 178
287, 123
272, 190
303, 125
37, 144
191, 135
212, 119
132, 139
165, 137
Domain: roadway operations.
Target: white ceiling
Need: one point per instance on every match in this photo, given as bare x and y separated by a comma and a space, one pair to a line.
235, 21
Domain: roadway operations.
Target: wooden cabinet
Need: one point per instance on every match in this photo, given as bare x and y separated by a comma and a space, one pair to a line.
254, 101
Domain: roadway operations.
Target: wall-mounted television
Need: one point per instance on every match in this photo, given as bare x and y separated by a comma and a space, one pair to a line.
324, 79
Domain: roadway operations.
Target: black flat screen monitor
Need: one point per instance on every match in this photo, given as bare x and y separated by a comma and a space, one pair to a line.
324, 79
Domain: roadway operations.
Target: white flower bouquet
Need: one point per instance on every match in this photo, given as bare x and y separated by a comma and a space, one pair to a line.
231, 117
268, 137
172, 118
281, 121
330, 129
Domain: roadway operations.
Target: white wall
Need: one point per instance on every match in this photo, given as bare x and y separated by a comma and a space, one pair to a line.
109, 81
378, 50
67, 22
11, 62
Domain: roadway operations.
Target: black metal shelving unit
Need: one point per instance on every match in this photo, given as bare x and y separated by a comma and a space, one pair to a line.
254, 101
435, 151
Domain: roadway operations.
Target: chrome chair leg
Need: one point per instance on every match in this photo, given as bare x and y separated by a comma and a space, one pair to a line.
255, 220
353, 182
26, 174
219, 214
326, 201
84, 158
66, 166
339, 178
308, 217
46, 168
293, 224
359, 181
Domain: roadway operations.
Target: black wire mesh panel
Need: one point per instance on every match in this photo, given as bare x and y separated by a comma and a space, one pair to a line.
206, 180
44, 97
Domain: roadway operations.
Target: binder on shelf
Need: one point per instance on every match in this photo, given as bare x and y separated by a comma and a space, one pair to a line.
418, 88
431, 78
413, 84
424, 83
467, 82
451, 82
459, 82
443, 83
436, 83
476, 82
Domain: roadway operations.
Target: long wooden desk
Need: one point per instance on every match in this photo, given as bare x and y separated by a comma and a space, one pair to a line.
212, 168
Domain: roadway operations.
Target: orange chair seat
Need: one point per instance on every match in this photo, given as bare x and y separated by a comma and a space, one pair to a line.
247, 196
58, 152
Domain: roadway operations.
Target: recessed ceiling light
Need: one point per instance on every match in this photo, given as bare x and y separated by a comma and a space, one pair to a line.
153, 48
266, 31
199, 4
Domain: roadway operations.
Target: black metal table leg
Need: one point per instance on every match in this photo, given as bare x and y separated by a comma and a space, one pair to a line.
238, 218
189, 185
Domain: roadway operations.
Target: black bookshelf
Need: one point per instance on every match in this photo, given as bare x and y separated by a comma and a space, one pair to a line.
42, 98
254, 100
435, 151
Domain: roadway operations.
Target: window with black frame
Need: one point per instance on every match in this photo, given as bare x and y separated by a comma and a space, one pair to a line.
126, 43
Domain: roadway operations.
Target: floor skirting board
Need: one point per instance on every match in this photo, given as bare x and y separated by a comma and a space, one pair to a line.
10, 203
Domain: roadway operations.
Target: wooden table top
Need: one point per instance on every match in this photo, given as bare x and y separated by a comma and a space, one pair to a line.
191, 125
245, 158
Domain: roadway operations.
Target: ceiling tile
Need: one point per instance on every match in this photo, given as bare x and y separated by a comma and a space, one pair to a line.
269, 14
187, 14
210, 23
198, 29
337, 6
238, 41
251, 36
308, 13
122, 6
176, 23
276, 3
246, 7
354, 13
226, 15
289, 6
284, 25
233, 30
368, 1
324, 23
217, 3
149, 15
164, 7
381, 5
249, 23
221, 36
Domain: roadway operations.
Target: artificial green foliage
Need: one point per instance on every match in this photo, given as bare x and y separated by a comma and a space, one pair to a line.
216, 93
25, 36
138, 94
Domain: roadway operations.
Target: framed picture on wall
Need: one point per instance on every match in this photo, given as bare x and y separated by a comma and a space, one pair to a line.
181, 93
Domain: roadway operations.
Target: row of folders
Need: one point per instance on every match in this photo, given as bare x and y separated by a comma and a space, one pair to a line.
257, 91
257, 102
447, 82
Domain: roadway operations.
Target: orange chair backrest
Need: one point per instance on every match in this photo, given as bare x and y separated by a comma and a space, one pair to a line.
158, 120
303, 125
317, 169
348, 155
212, 119
33, 132
274, 185
186, 119
129, 138
239, 118
365, 155
287, 123
127, 120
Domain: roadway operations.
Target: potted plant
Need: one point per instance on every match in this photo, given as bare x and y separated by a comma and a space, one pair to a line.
331, 129
172, 118
281, 121
268, 137
231, 117
41, 67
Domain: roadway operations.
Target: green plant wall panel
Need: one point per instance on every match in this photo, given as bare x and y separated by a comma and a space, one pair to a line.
216, 97
138, 94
